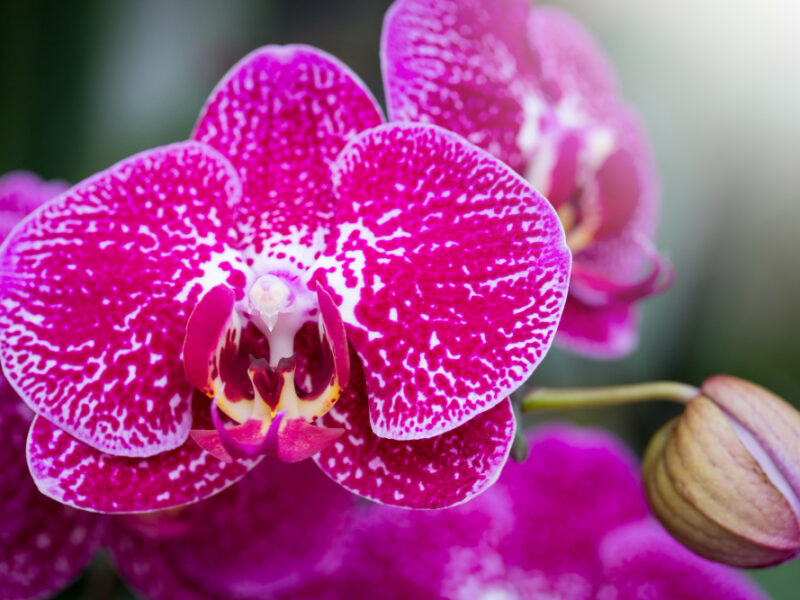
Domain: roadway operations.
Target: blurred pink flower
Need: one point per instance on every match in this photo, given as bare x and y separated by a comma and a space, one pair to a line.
571, 522
532, 87
368, 294
43, 544
280, 527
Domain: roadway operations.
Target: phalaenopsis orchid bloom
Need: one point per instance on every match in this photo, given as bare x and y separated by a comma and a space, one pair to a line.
531, 86
295, 280
571, 522
43, 544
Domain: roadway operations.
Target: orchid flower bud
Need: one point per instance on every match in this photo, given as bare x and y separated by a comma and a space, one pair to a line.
724, 477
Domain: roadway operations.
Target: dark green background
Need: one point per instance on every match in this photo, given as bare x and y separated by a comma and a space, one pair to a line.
87, 83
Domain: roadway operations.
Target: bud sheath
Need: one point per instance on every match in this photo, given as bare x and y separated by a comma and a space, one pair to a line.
723, 476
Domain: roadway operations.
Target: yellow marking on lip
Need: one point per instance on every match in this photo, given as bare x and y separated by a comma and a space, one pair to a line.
239, 411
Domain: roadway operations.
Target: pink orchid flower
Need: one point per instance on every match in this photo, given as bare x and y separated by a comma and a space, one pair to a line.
43, 545
532, 87
297, 280
571, 523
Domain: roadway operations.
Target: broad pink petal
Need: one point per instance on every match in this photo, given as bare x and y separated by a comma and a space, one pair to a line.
268, 534
601, 332
641, 560
43, 544
462, 64
430, 473
22, 192
96, 289
281, 115
451, 272
76, 474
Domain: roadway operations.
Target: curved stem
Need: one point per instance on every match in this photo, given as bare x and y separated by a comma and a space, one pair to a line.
574, 398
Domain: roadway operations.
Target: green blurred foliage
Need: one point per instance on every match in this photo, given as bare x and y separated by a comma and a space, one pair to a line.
86, 83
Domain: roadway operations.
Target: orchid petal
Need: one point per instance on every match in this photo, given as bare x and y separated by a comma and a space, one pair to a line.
462, 64
76, 474
430, 473
266, 535
281, 115
451, 273
22, 192
642, 560
43, 544
96, 289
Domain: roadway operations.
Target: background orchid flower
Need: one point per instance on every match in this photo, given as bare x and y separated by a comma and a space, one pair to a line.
532, 87
262, 538
43, 545
571, 522
293, 281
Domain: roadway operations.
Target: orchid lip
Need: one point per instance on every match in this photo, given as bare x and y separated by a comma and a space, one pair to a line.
245, 359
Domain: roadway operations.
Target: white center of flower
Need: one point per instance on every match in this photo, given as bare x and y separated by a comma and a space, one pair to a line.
270, 296
280, 303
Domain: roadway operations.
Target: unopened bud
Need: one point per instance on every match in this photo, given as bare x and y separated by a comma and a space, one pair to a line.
724, 477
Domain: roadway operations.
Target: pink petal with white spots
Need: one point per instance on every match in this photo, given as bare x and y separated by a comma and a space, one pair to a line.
76, 474
20, 193
451, 272
464, 65
430, 473
641, 560
43, 545
96, 289
281, 115
600, 332
269, 534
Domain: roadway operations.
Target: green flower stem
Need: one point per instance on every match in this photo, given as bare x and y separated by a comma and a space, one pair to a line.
537, 399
